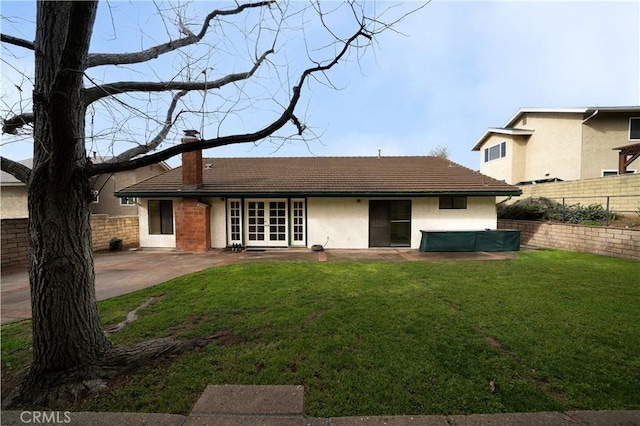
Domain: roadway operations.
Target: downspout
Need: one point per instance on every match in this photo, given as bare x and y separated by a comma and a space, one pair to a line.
591, 116
595, 112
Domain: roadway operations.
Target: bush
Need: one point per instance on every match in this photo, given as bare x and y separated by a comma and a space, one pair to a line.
546, 209
115, 244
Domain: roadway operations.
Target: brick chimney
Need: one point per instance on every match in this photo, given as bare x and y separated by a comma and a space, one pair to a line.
191, 163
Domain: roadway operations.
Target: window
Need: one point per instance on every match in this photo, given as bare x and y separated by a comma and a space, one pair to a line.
128, 201
634, 129
298, 221
234, 218
160, 217
453, 203
615, 172
277, 221
495, 152
255, 217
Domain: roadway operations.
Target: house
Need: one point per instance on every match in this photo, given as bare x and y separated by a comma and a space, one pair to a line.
14, 192
337, 202
104, 186
13, 195
540, 145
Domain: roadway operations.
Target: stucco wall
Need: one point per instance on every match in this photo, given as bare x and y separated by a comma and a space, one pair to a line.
108, 184
554, 147
218, 222
345, 221
338, 222
14, 202
500, 168
601, 134
154, 241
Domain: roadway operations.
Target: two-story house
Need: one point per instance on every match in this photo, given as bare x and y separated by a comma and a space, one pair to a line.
541, 145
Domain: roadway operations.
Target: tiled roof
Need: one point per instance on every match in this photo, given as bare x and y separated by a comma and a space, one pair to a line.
325, 176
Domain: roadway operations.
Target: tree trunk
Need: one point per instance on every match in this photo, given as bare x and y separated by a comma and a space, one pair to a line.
68, 341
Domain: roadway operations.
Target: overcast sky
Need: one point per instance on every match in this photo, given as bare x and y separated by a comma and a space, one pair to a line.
460, 68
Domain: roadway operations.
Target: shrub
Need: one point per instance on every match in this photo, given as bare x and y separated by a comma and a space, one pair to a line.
546, 209
115, 244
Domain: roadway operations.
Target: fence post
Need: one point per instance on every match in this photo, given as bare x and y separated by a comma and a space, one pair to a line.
563, 210
607, 220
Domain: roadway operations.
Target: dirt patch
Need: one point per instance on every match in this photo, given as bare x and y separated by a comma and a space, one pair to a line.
315, 315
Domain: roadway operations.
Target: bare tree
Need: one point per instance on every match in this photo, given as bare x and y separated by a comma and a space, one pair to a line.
70, 91
440, 151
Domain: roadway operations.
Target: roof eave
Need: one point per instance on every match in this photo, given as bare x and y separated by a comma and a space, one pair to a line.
295, 194
501, 131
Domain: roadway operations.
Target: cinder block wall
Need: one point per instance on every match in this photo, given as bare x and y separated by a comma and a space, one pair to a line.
105, 227
15, 241
616, 242
624, 191
15, 235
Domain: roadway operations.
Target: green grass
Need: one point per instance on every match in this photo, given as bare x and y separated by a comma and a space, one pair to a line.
552, 330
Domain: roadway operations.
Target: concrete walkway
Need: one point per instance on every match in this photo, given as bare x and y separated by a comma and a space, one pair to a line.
125, 272
229, 405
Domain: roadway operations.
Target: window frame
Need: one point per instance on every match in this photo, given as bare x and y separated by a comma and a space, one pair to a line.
637, 129
133, 201
168, 206
448, 202
502, 151
614, 172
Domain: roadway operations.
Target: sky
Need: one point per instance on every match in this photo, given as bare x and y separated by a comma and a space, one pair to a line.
452, 70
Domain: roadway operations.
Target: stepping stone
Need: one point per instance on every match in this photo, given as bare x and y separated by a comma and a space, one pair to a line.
248, 405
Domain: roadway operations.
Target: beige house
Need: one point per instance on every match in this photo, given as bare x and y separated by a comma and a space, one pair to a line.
14, 193
541, 145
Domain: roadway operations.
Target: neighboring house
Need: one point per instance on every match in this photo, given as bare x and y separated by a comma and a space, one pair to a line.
105, 185
337, 202
541, 145
14, 193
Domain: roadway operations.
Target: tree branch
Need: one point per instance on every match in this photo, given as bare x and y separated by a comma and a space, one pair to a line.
160, 137
97, 59
5, 38
95, 93
14, 123
15, 169
263, 133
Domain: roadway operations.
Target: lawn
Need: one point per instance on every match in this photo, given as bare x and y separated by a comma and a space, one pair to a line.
550, 330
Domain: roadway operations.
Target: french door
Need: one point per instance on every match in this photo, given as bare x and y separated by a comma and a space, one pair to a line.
267, 223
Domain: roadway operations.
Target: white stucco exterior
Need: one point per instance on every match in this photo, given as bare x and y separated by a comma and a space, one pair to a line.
154, 240
342, 222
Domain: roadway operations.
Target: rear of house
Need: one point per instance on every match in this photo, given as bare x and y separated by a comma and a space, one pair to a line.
337, 202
